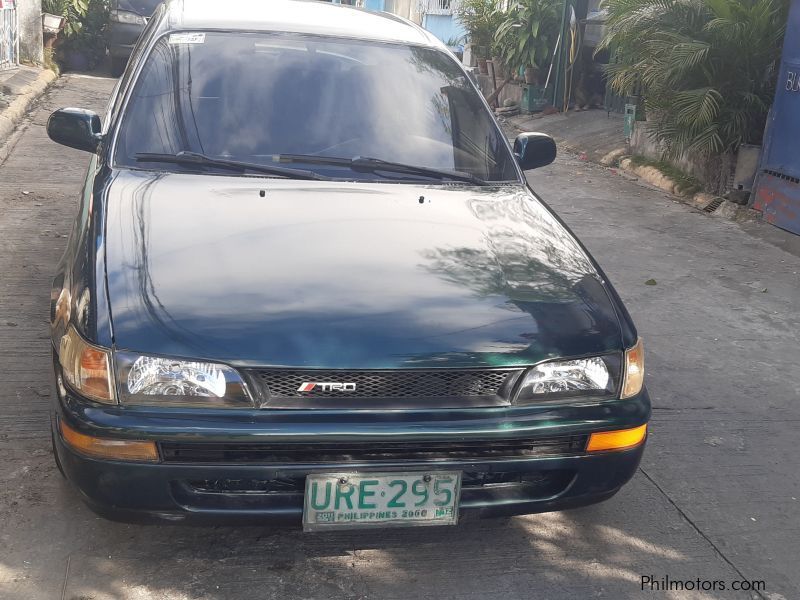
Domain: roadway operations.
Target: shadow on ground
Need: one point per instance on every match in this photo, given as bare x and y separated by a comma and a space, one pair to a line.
595, 552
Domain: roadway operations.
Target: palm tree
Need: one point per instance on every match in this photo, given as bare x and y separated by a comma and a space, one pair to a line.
707, 67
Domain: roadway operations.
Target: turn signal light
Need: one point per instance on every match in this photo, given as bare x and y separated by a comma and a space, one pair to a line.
634, 370
138, 450
86, 367
621, 439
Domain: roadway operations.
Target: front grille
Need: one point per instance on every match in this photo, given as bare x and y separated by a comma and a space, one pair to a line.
284, 485
367, 452
282, 387
470, 480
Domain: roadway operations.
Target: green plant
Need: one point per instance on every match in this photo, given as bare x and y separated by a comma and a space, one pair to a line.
88, 38
480, 18
72, 11
50, 62
54, 7
527, 34
707, 67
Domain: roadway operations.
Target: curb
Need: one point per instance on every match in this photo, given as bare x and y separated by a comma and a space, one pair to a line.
702, 201
652, 177
14, 113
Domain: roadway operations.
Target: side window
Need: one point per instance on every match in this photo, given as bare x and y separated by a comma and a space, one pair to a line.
124, 84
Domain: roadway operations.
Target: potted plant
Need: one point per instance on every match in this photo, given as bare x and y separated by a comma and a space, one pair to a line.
52, 18
480, 18
526, 36
63, 14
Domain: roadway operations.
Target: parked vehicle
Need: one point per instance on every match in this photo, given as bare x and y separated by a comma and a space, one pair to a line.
308, 281
127, 19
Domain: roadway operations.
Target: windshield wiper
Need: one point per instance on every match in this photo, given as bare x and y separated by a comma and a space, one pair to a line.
370, 165
197, 159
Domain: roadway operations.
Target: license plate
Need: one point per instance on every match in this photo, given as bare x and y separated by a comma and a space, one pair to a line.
351, 500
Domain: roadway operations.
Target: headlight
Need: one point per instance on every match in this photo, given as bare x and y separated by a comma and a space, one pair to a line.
595, 376
86, 368
129, 18
159, 381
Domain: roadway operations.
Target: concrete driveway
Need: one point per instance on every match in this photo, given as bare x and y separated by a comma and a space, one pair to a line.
716, 499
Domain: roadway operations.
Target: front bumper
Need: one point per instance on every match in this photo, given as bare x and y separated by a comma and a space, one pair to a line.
227, 492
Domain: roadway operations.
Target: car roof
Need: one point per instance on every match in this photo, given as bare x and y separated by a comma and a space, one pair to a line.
295, 16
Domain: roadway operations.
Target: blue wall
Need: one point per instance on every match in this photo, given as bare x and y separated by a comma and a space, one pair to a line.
444, 27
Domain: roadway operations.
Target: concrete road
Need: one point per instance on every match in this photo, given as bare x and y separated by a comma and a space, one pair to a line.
716, 498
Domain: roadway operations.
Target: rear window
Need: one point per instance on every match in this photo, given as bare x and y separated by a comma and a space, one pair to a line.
254, 97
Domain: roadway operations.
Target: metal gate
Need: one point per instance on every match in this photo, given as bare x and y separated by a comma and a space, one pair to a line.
9, 34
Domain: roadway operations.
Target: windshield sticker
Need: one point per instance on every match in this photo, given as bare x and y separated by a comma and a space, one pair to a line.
187, 38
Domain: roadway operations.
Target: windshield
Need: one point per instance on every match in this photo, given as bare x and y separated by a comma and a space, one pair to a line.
273, 99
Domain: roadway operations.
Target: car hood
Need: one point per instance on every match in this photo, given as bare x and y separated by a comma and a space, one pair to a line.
256, 271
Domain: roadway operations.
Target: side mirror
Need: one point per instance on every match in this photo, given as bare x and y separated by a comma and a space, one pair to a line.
534, 150
75, 127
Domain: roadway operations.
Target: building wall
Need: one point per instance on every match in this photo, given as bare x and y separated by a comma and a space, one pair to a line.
29, 13
511, 91
403, 8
